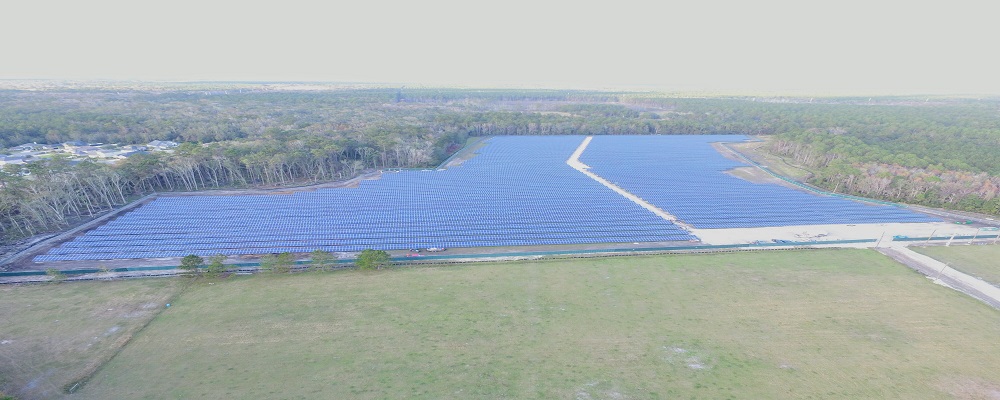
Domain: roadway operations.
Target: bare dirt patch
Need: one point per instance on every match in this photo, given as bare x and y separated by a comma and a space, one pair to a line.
756, 175
466, 153
970, 389
350, 183
757, 152
750, 173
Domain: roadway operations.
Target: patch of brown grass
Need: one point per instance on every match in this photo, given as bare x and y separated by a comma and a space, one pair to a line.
54, 335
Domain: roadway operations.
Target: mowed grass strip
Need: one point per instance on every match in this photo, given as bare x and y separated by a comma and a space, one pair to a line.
981, 261
785, 324
52, 335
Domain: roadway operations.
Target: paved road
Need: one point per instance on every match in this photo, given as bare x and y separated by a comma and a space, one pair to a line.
942, 273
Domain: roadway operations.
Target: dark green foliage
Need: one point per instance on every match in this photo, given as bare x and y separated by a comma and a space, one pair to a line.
253, 138
372, 259
284, 263
268, 262
216, 267
943, 155
56, 275
277, 263
322, 260
191, 262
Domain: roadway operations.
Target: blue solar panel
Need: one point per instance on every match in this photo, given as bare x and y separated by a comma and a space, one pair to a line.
517, 191
686, 177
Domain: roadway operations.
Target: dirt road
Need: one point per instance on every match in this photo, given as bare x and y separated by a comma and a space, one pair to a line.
575, 163
941, 273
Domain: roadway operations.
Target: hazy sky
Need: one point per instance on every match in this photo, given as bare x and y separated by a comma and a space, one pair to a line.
828, 47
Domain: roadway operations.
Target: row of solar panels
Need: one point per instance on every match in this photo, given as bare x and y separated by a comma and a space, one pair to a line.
517, 187
472, 213
681, 189
388, 243
236, 236
126, 239
458, 225
536, 197
152, 253
371, 224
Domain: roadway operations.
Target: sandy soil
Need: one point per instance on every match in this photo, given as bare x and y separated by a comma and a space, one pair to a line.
575, 163
350, 183
801, 233
466, 153
779, 165
755, 175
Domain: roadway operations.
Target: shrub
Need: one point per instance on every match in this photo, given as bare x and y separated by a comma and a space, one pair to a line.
372, 259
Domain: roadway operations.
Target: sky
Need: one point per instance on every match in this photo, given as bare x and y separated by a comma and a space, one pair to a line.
765, 46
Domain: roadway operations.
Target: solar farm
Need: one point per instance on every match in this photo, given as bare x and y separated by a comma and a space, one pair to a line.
686, 177
516, 191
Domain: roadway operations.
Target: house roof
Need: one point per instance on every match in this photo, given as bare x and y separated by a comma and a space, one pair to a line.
162, 143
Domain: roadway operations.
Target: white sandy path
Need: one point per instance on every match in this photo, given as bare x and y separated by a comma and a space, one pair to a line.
574, 161
885, 231
943, 270
928, 265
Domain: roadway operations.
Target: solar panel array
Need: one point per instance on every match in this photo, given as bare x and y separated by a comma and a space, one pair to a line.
685, 176
517, 191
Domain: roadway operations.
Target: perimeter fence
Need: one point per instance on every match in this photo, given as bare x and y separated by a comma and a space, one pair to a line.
250, 267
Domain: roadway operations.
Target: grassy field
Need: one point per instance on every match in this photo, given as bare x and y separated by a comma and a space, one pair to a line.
784, 324
979, 261
53, 335
777, 164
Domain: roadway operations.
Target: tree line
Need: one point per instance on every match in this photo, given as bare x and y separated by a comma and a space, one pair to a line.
54, 193
935, 185
281, 263
940, 153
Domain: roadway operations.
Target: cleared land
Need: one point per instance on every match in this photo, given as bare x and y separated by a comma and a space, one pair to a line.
517, 191
53, 335
797, 324
979, 261
779, 165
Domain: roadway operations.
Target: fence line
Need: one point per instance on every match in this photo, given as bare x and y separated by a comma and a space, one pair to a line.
251, 266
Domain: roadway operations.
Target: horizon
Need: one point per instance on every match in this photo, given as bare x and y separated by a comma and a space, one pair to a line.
35, 84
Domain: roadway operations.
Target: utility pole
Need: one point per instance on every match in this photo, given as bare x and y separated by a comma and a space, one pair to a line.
929, 237
941, 271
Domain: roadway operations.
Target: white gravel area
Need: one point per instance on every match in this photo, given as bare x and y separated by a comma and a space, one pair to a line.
804, 233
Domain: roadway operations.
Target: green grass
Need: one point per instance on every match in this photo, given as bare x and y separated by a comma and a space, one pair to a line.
980, 261
805, 324
780, 165
53, 335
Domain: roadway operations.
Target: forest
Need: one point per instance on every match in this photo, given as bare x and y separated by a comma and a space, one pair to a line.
939, 152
